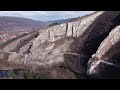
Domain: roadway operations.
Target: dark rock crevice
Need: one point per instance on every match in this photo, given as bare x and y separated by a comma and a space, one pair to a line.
66, 29
72, 30
99, 32
88, 43
104, 70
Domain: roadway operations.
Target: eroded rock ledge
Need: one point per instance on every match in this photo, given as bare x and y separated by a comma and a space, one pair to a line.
68, 47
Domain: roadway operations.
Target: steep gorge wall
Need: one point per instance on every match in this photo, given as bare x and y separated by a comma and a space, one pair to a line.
68, 46
52, 47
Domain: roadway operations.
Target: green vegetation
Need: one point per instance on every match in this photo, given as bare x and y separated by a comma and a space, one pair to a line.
28, 75
13, 75
53, 24
34, 76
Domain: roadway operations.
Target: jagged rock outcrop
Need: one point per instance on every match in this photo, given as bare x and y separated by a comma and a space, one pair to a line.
52, 47
16, 44
105, 62
66, 47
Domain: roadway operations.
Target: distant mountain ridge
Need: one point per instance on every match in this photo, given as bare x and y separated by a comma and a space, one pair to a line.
18, 24
59, 21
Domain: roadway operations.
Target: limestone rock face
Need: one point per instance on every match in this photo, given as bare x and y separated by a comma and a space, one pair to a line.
66, 49
70, 29
53, 46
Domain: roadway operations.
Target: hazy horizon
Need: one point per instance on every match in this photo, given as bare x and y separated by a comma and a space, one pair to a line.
45, 15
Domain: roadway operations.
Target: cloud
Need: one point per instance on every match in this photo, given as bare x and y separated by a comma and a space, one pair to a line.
45, 15
21, 13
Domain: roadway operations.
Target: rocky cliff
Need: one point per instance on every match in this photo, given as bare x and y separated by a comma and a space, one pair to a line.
84, 48
105, 62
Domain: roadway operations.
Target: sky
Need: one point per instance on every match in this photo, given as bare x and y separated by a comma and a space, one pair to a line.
45, 15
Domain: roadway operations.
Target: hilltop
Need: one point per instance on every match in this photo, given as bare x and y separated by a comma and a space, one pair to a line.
12, 24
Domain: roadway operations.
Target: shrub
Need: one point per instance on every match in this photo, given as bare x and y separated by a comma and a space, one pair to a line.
34, 76
13, 75
53, 24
